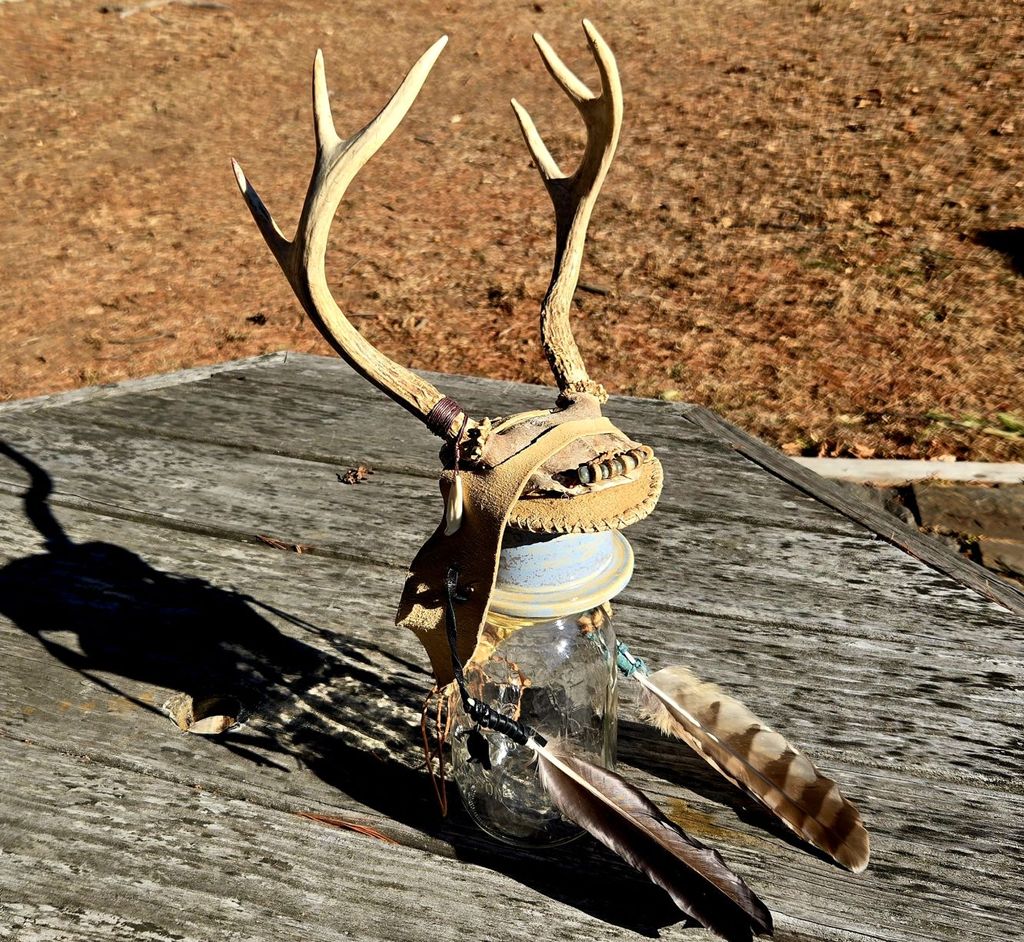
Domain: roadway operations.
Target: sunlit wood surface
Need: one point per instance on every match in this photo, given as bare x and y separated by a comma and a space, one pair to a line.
132, 567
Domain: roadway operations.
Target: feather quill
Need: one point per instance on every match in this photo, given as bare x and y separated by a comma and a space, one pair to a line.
624, 820
747, 752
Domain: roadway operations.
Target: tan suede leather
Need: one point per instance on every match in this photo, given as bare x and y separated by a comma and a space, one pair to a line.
489, 498
607, 508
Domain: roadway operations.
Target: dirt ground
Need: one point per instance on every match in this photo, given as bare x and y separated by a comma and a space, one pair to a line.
815, 223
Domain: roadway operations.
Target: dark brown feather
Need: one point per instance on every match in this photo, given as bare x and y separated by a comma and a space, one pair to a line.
747, 752
624, 820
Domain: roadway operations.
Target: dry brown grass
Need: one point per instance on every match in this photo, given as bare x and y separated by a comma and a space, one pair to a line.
798, 230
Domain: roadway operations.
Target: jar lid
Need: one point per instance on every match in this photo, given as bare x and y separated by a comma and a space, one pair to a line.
548, 576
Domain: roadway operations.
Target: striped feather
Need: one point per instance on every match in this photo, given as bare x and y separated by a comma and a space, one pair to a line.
747, 752
624, 820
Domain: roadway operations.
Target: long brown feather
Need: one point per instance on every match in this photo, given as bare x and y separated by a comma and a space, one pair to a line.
622, 819
747, 752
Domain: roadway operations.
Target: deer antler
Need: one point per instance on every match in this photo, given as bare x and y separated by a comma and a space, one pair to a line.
573, 197
302, 259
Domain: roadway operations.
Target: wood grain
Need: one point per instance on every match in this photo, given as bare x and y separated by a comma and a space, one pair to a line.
128, 387
906, 538
898, 680
335, 706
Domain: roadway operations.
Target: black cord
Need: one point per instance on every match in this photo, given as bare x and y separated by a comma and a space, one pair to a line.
481, 714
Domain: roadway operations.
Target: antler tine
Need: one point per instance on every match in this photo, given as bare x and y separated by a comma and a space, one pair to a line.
573, 196
323, 120
303, 258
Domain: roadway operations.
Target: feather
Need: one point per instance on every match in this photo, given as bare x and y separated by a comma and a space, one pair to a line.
624, 820
747, 752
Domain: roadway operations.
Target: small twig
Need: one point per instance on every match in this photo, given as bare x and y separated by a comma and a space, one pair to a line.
334, 822
593, 289
299, 548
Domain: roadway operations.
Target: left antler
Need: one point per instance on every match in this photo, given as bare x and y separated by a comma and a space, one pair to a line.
302, 260
573, 196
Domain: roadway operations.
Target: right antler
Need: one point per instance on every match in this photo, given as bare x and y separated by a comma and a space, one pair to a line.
573, 197
302, 260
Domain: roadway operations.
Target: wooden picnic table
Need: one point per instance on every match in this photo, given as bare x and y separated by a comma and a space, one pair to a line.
151, 537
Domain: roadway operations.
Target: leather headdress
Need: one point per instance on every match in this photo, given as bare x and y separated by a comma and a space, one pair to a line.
557, 471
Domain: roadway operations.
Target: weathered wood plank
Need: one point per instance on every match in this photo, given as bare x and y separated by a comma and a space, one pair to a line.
894, 471
316, 373
344, 416
91, 854
340, 386
92, 851
900, 682
942, 840
906, 538
777, 671
140, 385
732, 568
352, 426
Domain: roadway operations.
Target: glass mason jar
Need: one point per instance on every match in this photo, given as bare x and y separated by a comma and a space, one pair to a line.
547, 659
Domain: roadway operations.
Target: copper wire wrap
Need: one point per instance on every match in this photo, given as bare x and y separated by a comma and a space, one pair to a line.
439, 419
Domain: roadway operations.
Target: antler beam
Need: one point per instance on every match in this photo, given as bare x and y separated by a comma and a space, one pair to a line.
574, 196
302, 259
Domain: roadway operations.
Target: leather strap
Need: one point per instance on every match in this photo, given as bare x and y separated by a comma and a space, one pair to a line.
488, 498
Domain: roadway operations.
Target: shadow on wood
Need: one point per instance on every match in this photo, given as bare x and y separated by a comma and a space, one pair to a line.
101, 609
674, 762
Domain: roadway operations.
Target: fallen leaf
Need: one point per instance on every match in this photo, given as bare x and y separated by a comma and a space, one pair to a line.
212, 725
179, 709
208, 716
355, 475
